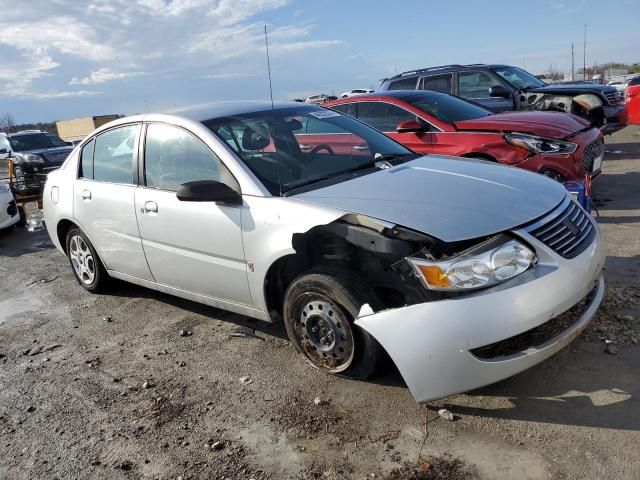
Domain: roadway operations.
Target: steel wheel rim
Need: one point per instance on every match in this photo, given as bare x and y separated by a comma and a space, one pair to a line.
82, 260
323, 333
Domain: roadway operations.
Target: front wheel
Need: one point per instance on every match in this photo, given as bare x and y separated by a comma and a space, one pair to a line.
86, 264
320, 307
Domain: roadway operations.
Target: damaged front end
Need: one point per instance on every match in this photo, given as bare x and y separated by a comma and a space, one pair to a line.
587, 105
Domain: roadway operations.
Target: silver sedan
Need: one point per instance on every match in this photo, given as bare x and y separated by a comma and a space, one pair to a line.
462, 271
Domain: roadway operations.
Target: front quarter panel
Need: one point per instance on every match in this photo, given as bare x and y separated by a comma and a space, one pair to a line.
268, 226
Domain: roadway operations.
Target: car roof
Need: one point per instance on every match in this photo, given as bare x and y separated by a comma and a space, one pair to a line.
447, 68
399, 94
209, 111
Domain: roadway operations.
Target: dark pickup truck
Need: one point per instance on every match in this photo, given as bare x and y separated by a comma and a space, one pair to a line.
502, 88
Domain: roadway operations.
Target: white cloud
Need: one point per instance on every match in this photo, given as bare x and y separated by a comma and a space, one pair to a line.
58, 40
64, 94
229, 76
103, 75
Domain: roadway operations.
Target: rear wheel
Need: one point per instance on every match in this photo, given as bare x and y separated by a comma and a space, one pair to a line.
319, 312
86, 264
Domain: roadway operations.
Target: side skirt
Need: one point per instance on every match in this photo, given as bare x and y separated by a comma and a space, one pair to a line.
195, 297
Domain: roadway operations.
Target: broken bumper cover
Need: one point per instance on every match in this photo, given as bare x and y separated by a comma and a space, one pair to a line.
441, 347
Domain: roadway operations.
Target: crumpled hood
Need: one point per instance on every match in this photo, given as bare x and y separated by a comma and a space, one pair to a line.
546, 124
447, 197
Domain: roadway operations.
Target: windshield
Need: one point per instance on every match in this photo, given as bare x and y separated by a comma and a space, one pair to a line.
289, 148
519, 78
446, 108
35, 141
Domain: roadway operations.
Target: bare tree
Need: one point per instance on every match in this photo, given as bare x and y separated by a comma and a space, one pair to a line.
7, 123
553, 73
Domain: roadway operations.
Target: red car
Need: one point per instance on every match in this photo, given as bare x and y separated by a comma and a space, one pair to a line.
557, 144
633, 101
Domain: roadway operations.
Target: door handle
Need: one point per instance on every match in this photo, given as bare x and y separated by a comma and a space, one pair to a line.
151, 207
305, 147
86, 195
361, 147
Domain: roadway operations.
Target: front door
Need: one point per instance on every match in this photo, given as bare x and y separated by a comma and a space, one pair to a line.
386, 117
192, 246
103, 203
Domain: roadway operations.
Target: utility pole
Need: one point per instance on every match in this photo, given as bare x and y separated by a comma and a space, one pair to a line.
584, 54
572, 63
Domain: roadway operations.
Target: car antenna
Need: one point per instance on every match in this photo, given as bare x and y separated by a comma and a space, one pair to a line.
266, 44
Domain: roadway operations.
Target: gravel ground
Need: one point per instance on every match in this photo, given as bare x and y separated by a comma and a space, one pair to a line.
105, 386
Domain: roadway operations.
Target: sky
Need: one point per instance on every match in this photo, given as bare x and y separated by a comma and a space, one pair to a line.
62, 59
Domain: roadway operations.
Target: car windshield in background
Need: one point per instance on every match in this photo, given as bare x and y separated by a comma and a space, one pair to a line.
292, 148
519, 78
35, 141
446, 108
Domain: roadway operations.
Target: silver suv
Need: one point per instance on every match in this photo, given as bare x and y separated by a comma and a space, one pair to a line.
464, 272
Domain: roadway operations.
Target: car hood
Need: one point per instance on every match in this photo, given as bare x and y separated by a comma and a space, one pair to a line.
447, 197
572, 88
547, 124
52, 155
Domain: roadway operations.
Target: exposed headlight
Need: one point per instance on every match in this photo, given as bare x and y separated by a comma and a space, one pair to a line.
540, 144
488, 264
31, 158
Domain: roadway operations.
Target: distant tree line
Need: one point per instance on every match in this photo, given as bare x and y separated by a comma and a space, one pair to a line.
8, 125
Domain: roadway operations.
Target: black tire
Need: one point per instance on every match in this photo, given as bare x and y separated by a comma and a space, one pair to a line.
91, 274
342, 293
23, 217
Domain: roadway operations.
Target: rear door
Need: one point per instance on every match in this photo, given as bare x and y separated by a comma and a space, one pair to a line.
386, 117
442, 83
193, 246
104, 199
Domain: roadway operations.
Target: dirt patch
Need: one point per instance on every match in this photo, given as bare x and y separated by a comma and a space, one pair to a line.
326, 471
617, 320
445, 467
299, 415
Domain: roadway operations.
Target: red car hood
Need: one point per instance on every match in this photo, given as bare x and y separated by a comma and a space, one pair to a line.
546, 124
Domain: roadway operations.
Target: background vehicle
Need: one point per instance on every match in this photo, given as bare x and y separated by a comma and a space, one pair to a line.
562, 146
34, 154
355, 251
9, 215
320, 98
355, 91
633, 100
502, 88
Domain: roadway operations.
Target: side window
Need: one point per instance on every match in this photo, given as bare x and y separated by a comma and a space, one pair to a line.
346, 108
319, 127
382, 116
173, 156
474, 84
113, 156
436, 83
86, 160
404, 84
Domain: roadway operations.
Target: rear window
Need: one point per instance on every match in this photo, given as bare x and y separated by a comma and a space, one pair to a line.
446, 108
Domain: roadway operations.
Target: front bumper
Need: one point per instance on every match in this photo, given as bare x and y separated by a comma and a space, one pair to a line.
569, 166
615, 118
431, 343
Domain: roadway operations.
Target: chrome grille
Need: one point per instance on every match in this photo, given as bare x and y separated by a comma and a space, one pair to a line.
591, 152
612, 96
568, 230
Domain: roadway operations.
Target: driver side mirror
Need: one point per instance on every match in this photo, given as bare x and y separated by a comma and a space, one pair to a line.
207, 191
499, 91
411, 126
